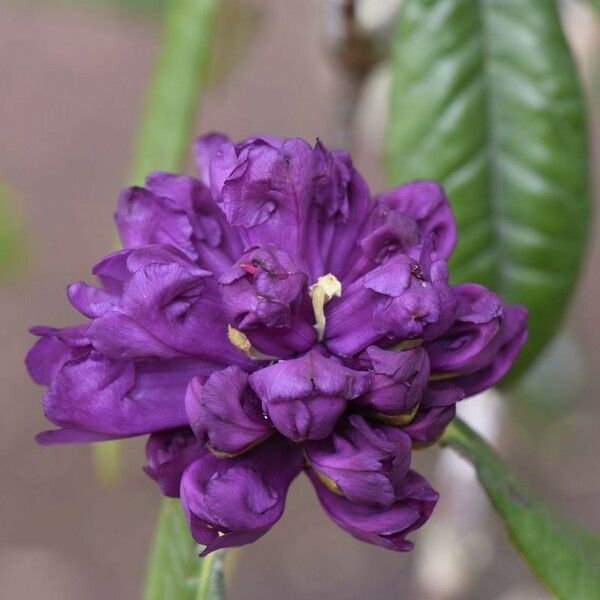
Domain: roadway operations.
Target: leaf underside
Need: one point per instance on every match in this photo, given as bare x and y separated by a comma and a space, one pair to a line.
485, 99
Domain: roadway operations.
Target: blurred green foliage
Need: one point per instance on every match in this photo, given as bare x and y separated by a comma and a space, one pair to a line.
12, 245
174, 569
148, 7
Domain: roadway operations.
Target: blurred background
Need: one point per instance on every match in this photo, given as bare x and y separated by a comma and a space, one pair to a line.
73, 73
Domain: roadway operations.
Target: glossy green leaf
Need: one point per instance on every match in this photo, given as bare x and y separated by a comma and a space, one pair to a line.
485, 99
172, 99
174, 570
564, 556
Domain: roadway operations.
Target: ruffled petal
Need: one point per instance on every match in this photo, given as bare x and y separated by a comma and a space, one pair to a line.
426, 202
114, 398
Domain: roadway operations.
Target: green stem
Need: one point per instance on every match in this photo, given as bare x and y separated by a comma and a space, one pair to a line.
165, 131
172, 98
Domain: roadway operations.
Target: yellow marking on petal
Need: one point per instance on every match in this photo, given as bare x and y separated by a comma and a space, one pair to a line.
329, 483
407, 345
241, 342
443, 376
396, 420
321, 293
221, 454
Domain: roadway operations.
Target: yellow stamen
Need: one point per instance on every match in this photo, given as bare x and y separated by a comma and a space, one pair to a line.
321, 293
241, 342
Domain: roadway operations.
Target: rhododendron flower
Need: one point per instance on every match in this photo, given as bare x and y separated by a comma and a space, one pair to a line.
273, 317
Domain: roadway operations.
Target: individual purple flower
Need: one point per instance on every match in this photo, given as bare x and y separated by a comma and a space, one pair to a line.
265, 296
367, 464
305, 397
234, 501
265, 184
225, 413
154, 303
479, 348
398, 381
402, 299
385, 526
178, 211
270, 316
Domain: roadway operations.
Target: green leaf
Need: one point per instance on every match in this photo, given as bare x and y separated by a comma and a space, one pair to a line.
174, 571
172, 99
485, 99
564, 556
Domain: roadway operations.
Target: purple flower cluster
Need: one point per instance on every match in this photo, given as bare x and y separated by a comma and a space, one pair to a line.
272, 317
